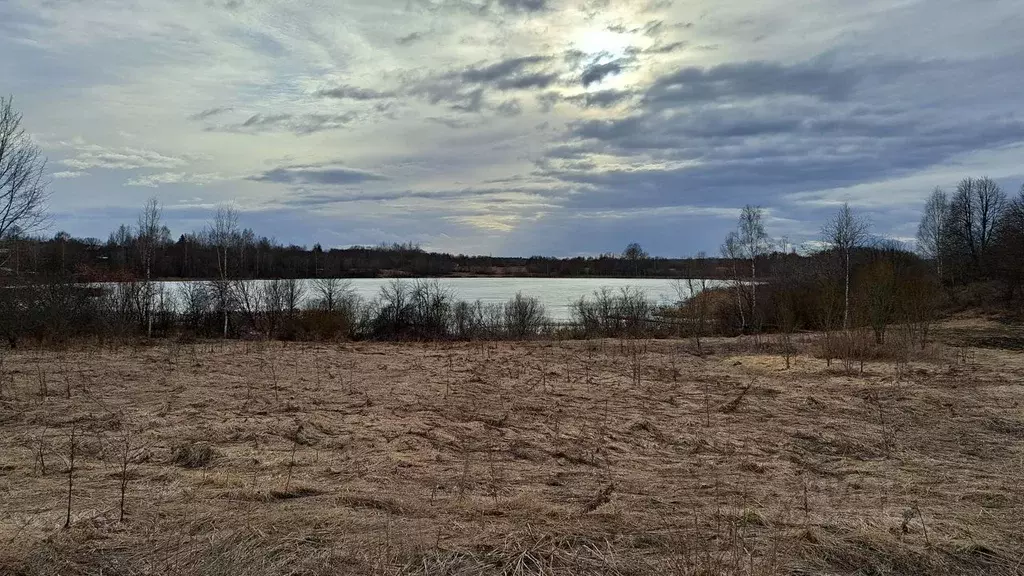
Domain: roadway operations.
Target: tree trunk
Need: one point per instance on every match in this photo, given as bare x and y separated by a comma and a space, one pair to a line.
846, 301
753, 293
149, 304
224, 291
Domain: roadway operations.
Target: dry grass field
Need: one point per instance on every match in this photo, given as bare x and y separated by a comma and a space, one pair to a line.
600, 457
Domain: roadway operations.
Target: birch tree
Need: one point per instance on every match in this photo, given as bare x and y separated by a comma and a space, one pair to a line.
149, 236
844, 233
754, 244
931, 232
223, 235
732, 251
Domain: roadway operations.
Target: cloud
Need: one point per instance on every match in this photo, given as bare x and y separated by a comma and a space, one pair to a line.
155, 180
665, 48
473, 201
595, 73
817, 78
601, 98
327, 175
527, 81
466, 89
524, 5
68, 174
712, 136
453, 123
409, 38
354, 93
510, 108
503, 70
295, 123
210, 112
94, 156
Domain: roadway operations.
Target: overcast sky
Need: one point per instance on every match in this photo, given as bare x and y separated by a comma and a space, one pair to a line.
515, 127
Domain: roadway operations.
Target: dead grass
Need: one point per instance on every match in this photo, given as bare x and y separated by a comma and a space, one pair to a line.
193, 455
543, 458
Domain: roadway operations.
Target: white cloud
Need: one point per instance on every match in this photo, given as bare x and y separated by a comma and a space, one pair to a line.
93, 156
155, 180
68, 174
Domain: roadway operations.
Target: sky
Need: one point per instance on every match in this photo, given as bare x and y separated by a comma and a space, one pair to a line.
515, 127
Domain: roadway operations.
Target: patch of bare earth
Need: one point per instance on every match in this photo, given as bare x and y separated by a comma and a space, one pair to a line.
603, 457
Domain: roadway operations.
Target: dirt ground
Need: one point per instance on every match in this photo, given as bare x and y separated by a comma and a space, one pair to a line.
599, 457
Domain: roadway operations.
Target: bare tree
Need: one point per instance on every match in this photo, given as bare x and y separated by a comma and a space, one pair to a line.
331, 292
223, 234
732, 251
149, 237
250, 299
844, 233
931, 232
294, 294
754, 244
696, 300
23, 191
121, 239
635, 253
1009, 247
974, 214
880, 295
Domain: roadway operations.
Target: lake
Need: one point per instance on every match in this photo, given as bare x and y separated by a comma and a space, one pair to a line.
556, 294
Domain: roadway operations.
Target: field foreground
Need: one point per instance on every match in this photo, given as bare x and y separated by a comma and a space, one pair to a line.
602, 457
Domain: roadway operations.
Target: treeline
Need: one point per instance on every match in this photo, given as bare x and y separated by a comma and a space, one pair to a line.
194, 256
975, 233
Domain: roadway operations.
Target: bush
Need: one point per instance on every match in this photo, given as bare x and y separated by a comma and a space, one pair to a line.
524, 317
610, 315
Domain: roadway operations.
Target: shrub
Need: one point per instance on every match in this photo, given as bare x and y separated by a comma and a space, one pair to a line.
524, 317
628, 313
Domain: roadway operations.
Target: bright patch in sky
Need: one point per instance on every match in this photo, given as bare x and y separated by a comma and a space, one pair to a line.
597, 39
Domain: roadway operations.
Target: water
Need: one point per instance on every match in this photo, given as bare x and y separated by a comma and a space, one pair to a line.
556, 294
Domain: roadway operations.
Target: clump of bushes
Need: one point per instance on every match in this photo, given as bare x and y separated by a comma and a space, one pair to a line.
610, 314
272, 309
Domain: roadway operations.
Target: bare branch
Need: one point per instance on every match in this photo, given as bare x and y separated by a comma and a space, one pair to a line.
23, 190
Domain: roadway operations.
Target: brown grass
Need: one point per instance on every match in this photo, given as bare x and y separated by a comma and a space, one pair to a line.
511, 458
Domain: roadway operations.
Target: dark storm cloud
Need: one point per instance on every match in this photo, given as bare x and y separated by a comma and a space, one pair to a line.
315, 174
